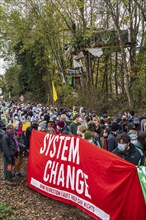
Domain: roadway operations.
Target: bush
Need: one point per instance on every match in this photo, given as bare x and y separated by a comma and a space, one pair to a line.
6, 212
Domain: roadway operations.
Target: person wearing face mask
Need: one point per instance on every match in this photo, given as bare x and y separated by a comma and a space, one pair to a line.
103, 138
137, 144
136, 123
127, 150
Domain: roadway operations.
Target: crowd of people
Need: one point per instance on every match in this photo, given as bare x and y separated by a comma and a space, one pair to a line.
124, 135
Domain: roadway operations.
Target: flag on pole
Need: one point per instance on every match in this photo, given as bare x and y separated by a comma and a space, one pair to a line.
55, 97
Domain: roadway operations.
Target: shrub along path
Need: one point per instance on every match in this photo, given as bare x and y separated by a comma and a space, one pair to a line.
26, 204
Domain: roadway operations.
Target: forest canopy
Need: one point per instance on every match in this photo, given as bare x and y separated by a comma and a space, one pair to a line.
93, 50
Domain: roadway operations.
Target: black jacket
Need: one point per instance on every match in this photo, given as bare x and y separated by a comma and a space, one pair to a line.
111, 142
9, 147
132, 155
28, 134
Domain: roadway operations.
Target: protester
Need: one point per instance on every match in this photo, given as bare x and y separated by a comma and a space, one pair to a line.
143, 124
64, 118
81, 129
2, 132
19, 156
92, 127
111, 140
10, 148
42, 126
96, 121
137, 144
73, 126
136, 122
123, 120
124, 128
103, 138
127, 150
88, 136
130, 126
34, 125
61, 128
131, 114
74, 111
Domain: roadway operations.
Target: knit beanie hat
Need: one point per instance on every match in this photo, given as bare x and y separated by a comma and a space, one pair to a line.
88, 135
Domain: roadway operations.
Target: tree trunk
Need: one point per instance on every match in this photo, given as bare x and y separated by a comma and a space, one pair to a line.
116, 70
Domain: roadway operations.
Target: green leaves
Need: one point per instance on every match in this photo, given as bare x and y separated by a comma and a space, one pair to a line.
6, 212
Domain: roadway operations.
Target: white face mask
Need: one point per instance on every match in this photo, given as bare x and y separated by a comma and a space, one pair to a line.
121, 147
134, 142
105, 134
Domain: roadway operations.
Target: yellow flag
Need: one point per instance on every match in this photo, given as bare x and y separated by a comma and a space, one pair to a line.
55, 97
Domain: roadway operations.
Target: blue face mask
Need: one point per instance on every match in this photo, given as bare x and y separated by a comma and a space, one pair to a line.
121, 147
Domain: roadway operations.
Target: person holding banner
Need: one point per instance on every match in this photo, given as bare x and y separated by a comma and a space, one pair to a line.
137, 144
34, 125
127, 150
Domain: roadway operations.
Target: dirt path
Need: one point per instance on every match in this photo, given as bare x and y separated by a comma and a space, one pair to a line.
30, 205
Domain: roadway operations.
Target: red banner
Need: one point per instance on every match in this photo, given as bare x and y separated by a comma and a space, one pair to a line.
69, 169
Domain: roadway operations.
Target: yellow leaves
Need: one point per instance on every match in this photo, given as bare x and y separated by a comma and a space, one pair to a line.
126, 18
